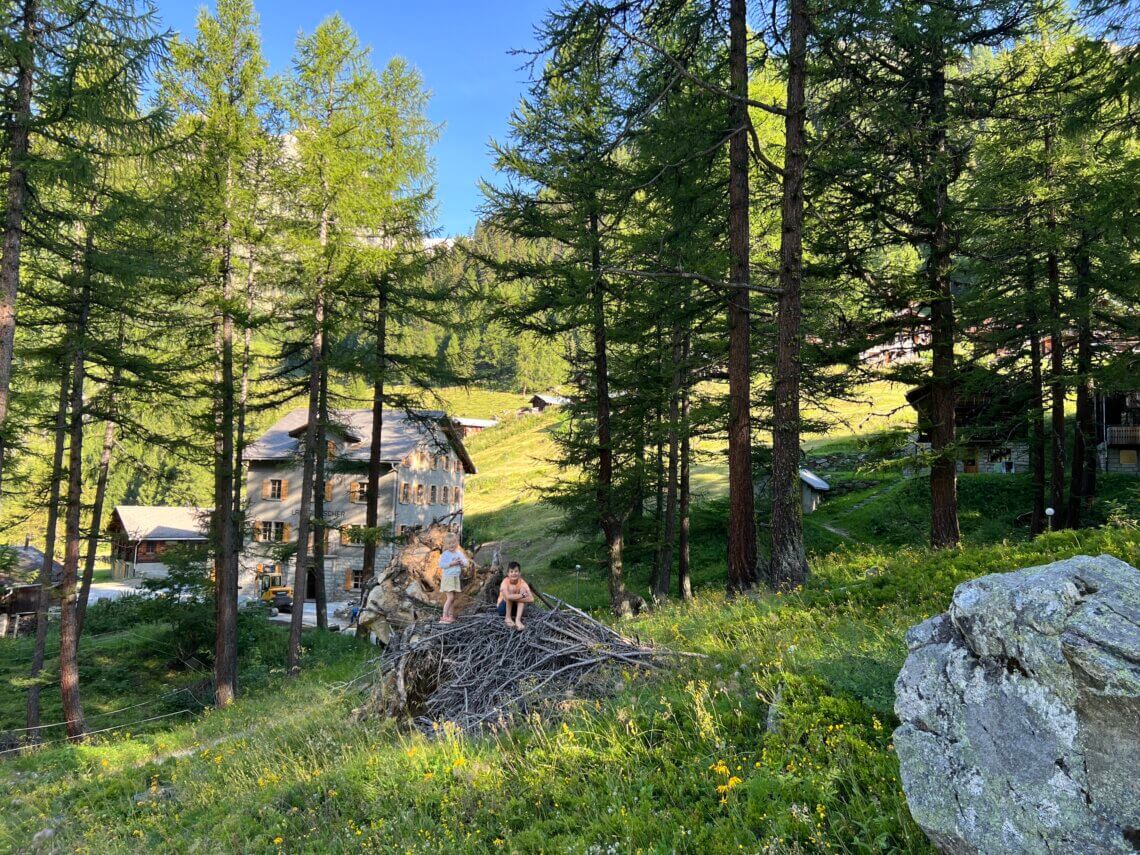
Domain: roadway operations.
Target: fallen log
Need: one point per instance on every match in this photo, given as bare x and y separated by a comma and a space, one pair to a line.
408, 589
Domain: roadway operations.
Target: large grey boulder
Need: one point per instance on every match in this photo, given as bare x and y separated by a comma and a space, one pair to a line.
1020, 711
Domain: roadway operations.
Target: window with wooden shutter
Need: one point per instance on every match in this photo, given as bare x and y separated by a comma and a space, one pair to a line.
432, 499
443, 499
287, 532
419, 494
265, 489
405, 493
328, 491
284, 489
256, 531
354, 579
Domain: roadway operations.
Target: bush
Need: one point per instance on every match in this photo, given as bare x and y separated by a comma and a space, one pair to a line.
126, 612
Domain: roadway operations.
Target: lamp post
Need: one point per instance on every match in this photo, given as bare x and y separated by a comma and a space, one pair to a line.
577, 576
1049, 516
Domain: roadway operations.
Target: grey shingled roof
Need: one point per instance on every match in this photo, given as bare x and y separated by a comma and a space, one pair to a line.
813, 480
402, 434
26, 566
160, 522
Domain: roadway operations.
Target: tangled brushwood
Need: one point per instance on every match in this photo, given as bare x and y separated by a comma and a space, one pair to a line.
479, 672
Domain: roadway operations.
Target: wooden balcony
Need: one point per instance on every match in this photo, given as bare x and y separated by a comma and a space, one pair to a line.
1123, 435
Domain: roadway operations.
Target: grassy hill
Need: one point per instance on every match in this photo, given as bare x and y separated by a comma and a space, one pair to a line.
777, 740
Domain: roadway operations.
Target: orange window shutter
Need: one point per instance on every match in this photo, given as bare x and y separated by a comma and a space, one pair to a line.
288, 533
348, 579
328, 491
265, 489
284, 489
256, 530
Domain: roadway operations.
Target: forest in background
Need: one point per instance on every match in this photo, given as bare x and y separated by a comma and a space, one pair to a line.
704, 216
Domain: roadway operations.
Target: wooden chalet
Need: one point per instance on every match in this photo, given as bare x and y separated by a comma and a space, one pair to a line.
20, 568
1118, 417
141, 534
991, 424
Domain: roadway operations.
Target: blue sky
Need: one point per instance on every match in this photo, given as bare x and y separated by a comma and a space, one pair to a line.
462, 49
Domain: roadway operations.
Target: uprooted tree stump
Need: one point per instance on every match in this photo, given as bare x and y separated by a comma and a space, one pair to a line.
407, 590
479, 672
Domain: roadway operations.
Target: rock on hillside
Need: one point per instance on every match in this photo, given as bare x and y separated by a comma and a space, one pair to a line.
1020, 711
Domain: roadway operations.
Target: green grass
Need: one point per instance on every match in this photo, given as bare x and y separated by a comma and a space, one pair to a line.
683, 762
119, 669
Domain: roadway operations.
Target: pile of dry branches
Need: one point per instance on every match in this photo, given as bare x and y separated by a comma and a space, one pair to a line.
477, 671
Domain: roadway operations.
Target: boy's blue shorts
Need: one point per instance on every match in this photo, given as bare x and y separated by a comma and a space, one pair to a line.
503, 609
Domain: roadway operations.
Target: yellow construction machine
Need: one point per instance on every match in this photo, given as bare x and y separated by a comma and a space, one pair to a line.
271, 588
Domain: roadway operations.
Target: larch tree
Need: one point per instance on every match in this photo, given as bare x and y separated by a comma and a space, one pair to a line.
903, 114
45, 47
350, 160
218, 85
562, 185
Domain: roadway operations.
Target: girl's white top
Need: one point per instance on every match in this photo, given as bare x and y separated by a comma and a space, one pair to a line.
450, 555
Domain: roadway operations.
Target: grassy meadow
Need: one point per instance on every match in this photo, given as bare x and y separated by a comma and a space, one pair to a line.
778, 741
775, 739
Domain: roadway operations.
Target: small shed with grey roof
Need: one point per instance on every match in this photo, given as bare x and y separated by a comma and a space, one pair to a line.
142, 534
468, 427
812, 488
541, 402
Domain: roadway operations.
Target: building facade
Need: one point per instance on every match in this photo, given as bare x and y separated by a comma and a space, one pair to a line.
424, 467
1119, 417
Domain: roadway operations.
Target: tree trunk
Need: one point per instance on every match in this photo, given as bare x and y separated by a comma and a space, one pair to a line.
97, 511
38, 655
741, 511
944, 531
684, 578
1084, 438
68, 619
238, 514
638, 509
16, 198
669, 534
611, 521
372, 492
1056, 364
1036, 407
788, 568
308, 456
320, 596
225, 567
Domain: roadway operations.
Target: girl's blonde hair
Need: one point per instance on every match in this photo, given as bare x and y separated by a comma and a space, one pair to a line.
451, 540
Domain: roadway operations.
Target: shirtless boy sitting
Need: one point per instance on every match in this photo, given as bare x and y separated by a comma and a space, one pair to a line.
514, 594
